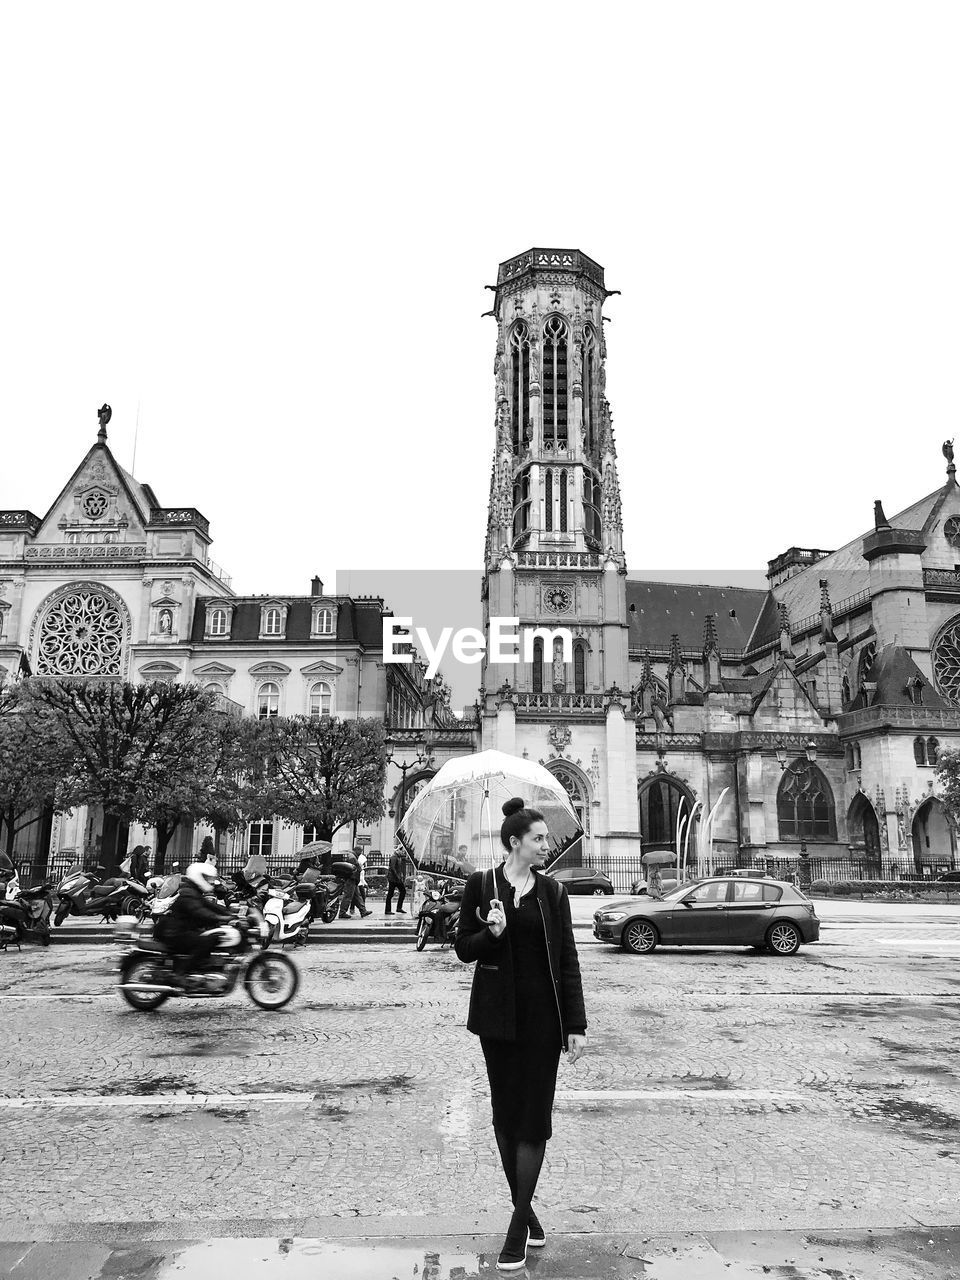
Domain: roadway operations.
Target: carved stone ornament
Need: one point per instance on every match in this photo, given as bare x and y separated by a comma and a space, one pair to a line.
82, 633
560, 735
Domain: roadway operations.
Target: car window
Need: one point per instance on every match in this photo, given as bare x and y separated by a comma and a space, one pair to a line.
748, 891
704, 894
772, 892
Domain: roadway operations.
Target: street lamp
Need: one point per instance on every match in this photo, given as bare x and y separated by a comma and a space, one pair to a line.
417, 762
811, 750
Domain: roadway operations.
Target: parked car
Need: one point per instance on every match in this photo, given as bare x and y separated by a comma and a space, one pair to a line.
722, 911
949, 875
752, 873
583, 880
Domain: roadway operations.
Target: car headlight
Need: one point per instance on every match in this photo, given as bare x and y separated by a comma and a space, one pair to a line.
610, 916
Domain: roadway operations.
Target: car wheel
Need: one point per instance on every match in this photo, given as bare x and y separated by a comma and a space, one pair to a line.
783, 938
640, 937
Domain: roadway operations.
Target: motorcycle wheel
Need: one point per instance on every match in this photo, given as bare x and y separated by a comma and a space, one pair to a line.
140, 969
330, 914
63, 910
271, 980
132, 905
423, 933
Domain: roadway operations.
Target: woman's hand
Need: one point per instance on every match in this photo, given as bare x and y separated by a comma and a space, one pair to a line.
575, 1047
497, 918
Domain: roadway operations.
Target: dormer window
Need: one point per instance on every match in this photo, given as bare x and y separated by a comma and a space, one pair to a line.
218, 620
915, 690
273, 621
322, 621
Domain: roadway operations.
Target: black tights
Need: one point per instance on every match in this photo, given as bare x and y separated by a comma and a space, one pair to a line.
522, 1162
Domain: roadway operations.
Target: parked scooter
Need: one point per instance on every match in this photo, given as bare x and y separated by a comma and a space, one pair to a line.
269, 978
438, 916
290, 912
84, 893
26, 917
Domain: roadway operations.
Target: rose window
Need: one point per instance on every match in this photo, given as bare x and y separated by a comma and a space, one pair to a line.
946, 661
94, 504
82, 635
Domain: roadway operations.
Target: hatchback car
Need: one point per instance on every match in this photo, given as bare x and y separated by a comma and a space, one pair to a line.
723, 911
583, 880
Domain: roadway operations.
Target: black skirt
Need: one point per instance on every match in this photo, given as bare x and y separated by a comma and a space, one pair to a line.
523, 1072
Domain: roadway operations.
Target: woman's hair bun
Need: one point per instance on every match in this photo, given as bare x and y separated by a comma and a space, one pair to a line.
513, 806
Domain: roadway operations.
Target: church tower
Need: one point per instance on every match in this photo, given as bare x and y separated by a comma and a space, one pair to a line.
554, 547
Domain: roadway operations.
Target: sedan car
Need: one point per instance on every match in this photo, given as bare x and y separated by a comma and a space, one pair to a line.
722, 911
583, 880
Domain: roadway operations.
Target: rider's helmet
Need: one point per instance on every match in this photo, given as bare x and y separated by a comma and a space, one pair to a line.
203, 874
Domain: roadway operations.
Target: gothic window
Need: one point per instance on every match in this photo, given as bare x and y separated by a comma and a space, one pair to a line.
81, 635
548, 501
520, 384
538, 665
587, 353
217, 622
579, 668
320, 698
268, 700
946, 661
805, 809
261, 838
563, 502
577, 793
591, 505
933, 750
919, 751
845, 690
554, 379
868, 656
521, 504
660, 803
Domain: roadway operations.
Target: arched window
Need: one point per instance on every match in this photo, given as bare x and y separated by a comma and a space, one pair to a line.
268, 700
563, 502
587, 354
538, 665
868, 655
579, 668
845, 690
320, 697
554, 384
324, 623
933, 750
218, 622
577, 792
272, 622
805, 809
214, 687
548, 501
660, 802
919, 751
857, 756
521, 504
520, 384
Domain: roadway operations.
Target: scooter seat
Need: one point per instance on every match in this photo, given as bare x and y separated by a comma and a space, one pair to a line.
291, 908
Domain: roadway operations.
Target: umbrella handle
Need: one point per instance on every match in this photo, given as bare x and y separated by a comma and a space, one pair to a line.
494, 903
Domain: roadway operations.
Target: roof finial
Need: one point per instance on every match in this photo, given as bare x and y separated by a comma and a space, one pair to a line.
104, 413
826, 613
711, 641
948, 454
879, 519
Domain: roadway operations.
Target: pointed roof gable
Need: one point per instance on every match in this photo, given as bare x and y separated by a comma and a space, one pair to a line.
100, 467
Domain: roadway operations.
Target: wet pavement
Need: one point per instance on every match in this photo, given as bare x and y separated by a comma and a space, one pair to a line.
797, 1114
901, 1255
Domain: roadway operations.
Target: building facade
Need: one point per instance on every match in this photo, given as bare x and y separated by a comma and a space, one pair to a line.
806, 716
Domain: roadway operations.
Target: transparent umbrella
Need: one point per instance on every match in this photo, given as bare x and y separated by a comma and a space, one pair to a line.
453, 825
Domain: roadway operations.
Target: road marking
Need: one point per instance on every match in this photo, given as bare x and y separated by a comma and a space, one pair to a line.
6, 998
150, 1100
656, 1095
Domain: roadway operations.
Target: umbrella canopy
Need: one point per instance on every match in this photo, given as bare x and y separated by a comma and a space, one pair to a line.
316, 848
453, 825
659, 858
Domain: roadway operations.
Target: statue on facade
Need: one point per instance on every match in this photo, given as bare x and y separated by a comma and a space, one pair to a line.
948, 450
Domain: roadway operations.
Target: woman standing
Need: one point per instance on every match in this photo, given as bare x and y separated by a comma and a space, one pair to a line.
526, 1005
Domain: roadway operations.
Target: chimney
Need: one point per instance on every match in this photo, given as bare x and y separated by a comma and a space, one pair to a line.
316, 587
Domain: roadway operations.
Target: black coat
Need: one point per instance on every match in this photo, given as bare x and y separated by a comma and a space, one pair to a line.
193, 911
493, 1006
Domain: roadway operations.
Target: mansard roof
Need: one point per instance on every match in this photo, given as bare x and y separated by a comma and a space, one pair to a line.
358, 621
658, 610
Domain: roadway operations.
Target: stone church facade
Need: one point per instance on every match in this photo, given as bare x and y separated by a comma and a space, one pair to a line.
806, 716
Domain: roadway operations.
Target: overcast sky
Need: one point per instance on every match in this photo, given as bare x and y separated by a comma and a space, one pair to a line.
267, 228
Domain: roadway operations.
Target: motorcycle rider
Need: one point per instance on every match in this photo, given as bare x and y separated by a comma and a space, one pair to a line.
195, 921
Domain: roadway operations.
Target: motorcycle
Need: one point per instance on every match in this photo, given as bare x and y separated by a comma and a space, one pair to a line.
438, 917
290, 912
81, 893
270, 979
26, 917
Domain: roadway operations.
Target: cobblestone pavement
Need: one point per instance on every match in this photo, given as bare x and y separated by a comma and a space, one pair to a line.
722, 1089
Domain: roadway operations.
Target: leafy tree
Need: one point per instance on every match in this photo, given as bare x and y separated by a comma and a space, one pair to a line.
33, 759
324, 772
948, 775
237, 794
142, 751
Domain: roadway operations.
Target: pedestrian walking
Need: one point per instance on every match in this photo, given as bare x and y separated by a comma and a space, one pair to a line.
362, 882
526, 1005
347, 869
139, 865
208, 850
396, 880
655, 884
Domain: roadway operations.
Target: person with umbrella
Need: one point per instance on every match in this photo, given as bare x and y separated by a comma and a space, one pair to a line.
526, 1005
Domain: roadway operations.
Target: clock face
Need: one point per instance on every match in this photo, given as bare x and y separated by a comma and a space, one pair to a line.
558, 599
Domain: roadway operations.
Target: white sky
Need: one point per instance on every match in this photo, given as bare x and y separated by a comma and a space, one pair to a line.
269, 226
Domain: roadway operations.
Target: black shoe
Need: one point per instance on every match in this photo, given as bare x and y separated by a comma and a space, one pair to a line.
513, 1255
364, 914
537, 1237
388, 912
401, 911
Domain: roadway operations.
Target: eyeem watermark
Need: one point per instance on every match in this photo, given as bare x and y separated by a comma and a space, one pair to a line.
509, 642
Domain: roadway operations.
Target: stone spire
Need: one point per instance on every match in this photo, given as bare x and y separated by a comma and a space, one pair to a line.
786, 640
676, 671
826, 614
711, 653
